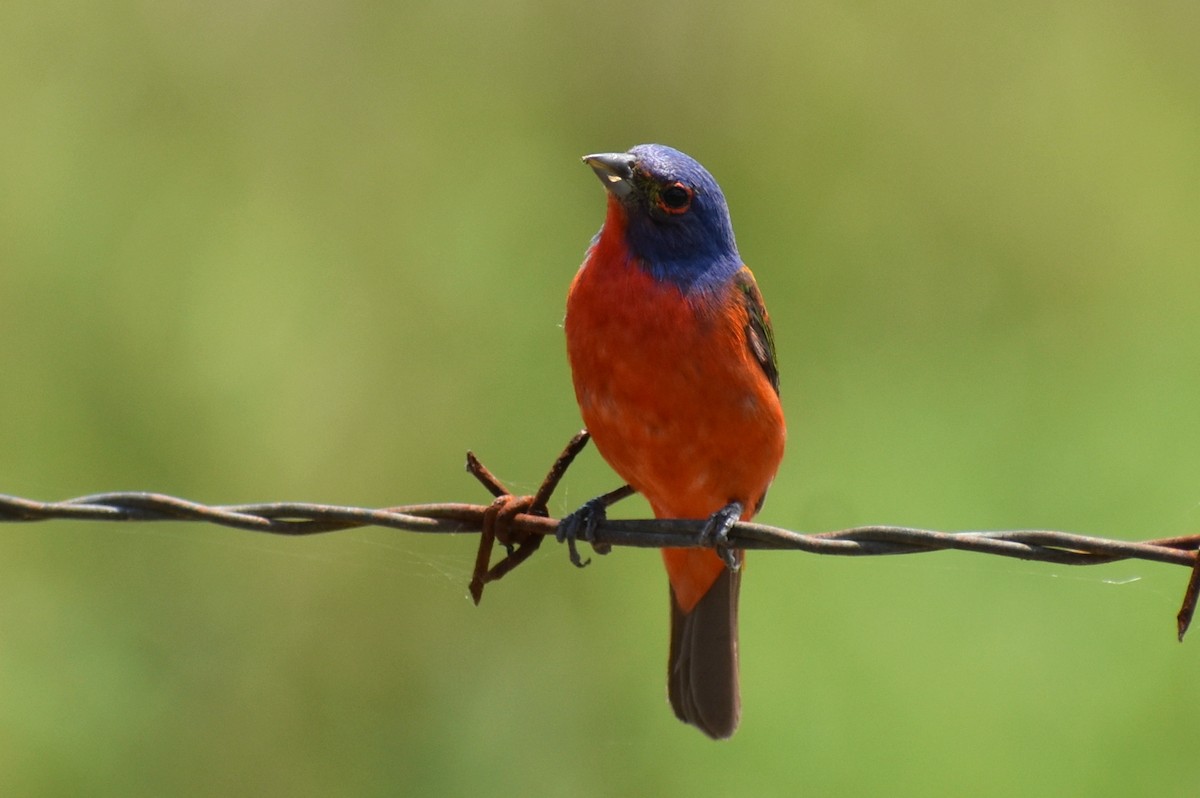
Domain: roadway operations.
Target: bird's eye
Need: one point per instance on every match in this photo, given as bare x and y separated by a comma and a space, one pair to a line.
675, 198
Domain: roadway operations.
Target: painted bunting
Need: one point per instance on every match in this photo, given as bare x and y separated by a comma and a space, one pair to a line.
673, 362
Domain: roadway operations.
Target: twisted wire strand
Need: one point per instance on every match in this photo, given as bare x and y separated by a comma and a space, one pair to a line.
520, 523
301, 518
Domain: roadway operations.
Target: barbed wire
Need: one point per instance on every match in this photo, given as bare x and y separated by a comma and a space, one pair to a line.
301, 518
520, 523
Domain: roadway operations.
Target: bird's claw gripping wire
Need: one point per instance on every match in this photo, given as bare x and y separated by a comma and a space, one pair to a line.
716, 534
584, 522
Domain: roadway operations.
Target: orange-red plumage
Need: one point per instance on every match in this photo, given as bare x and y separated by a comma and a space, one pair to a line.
674, 374
671, 394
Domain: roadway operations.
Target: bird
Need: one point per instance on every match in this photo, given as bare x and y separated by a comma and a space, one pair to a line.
673, 364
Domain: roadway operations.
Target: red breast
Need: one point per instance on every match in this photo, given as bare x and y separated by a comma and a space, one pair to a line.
668, 386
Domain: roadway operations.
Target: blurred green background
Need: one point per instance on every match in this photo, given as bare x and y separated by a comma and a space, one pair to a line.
315, 251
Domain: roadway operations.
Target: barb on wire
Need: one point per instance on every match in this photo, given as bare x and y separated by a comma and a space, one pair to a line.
519, 523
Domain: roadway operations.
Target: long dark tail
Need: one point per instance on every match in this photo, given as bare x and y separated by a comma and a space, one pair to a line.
702, 672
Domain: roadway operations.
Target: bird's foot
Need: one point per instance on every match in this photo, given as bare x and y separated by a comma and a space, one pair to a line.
583, 523
716, 533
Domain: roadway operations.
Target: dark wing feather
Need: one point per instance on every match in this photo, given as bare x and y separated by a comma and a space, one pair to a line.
758, 326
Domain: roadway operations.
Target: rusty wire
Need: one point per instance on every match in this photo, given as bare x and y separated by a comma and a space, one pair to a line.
300, 518
520, 524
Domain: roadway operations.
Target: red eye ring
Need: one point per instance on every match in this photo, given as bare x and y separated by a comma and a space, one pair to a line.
675, 198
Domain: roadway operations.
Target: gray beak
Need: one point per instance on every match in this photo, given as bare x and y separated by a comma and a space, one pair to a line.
614, 170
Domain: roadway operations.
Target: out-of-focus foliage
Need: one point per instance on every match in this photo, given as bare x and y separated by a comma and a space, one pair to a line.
263, 251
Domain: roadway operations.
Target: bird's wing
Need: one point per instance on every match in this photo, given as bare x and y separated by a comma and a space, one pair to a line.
758, 326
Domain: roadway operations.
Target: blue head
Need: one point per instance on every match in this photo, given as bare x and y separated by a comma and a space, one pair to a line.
677, 223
